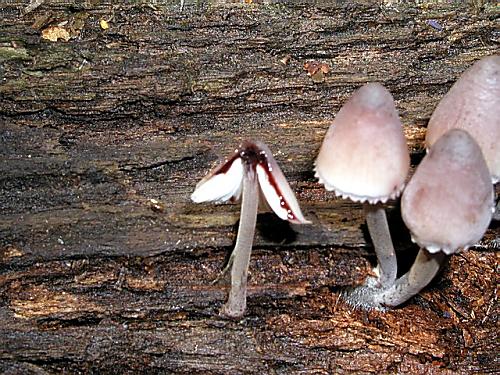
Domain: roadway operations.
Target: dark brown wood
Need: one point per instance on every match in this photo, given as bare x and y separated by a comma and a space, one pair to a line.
106, 265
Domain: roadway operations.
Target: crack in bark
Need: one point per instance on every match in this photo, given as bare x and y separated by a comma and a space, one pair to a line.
130, 168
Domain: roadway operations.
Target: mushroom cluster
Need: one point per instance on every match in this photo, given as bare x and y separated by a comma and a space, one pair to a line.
473, 104
447, 204
449, 201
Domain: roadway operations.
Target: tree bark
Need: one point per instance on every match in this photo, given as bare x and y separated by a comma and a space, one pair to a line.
106, 265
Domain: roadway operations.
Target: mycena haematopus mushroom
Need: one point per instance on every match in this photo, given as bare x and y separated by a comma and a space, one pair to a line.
251, 168
447, 206
364, 157
473, 104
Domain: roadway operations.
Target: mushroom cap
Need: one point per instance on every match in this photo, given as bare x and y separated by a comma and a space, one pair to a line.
225, 182
473, 104
448, 203
364, 155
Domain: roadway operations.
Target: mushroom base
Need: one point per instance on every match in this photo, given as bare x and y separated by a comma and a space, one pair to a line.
372, 296
365, 296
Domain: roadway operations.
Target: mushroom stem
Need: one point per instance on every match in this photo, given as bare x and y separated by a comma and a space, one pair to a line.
421, 273
496, 214
240, 257
382, 242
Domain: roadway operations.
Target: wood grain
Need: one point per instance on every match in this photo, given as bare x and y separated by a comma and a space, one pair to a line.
97, 277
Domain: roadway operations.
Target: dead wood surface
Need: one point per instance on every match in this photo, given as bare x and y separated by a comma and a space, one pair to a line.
97, 277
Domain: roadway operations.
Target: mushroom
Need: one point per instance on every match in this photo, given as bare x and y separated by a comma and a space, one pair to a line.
251, 166
473, 104
447, 206
364, 157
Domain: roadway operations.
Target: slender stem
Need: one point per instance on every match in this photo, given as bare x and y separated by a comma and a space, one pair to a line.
421, 273
240, 258
382, 242
496, 214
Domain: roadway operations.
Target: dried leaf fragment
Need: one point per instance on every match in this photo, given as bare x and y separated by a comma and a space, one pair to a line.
285, 60
316, 70
435, 25
54, 33
12, 252
156, 205
313, 67
104, 24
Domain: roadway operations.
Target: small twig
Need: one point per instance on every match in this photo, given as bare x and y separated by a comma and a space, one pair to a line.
336, 302
32, 6
492, 302
121, 278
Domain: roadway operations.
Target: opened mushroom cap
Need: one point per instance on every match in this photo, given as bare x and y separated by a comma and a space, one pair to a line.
225, 182
448, 202
364, 155
473, 104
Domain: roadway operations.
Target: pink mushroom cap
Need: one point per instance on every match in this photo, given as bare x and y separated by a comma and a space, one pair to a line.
448, 203
473, 104
364, 155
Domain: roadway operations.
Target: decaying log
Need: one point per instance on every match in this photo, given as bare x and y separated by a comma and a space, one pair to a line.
106, 265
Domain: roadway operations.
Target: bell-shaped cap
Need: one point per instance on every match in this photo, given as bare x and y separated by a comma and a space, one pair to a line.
473, 104
364, 155
448, 203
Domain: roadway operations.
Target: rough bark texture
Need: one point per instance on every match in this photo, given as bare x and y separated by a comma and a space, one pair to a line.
97, 277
